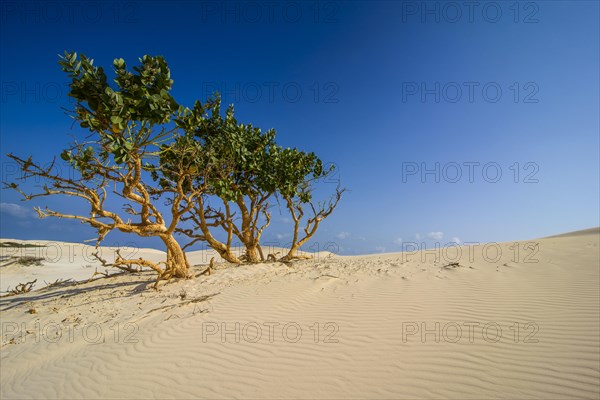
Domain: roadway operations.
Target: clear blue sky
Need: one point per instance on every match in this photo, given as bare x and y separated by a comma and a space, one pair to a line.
381, 89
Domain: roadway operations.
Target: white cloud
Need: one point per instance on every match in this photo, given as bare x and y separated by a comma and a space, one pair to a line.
282, 235
456, 240
436, 235
343, 235
16, 210
380, 249
286, 220
418, 236
397, 241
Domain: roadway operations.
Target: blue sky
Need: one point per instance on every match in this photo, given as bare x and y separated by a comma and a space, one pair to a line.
384, 90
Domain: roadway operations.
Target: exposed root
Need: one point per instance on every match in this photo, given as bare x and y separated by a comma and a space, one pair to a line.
209, 270
272, 256
116, 264
288, 259
137, 265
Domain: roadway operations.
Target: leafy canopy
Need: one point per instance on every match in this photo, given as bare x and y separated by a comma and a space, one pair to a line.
125, 115
252, 163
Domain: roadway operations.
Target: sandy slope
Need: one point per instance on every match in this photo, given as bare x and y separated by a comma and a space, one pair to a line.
333, 327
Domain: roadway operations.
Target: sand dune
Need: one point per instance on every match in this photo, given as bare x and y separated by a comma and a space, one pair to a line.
510, 320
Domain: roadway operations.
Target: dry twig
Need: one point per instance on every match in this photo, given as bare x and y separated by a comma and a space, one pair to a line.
23, 287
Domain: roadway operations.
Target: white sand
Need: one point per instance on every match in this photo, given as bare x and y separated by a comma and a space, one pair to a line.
370, 312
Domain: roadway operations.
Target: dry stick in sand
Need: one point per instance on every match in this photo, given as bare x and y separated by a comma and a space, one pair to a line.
451, 265
104, 274
22, 288
328, 275
57, 282
183, 303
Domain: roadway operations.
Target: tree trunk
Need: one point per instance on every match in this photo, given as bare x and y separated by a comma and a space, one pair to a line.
177, 263
252, 255
262, 256
291, 254
223, 249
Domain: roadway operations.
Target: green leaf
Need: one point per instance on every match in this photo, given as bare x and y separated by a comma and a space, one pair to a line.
119, 62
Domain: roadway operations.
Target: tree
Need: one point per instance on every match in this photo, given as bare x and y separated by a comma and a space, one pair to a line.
241, 187
143, 148
297, 172
128, 124
253, 170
